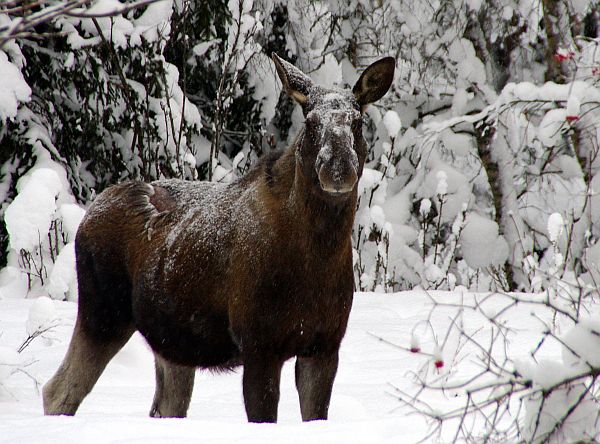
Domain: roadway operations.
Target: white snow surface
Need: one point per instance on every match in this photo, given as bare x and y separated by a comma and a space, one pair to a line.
362, 410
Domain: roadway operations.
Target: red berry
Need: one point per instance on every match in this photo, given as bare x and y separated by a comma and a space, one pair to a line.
561, 56
439, 363
415, 349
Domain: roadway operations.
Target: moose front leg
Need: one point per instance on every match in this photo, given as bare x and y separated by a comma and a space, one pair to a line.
261, 387
314, 381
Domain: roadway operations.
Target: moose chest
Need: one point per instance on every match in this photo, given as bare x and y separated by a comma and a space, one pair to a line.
290, 297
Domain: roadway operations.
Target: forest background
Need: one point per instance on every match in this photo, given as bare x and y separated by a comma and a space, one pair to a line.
491, 125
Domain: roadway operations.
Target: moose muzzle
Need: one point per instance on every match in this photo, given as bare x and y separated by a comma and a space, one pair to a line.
337, 162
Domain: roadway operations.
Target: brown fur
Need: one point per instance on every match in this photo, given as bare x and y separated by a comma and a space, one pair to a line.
213, 276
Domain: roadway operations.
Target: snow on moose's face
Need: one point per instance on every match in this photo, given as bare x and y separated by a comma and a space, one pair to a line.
333, 148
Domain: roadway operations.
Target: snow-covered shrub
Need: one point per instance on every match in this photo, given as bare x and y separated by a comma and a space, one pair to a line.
477, 381
538, 397
545, 418
42, 317
372, 233
42, 221
41, 320
10, 362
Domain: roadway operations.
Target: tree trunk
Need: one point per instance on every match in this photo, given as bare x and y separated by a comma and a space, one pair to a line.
484, 138
558, 36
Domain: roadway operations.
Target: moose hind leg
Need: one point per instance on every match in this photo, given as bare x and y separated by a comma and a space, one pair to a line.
103, 326
174, 386
314, 381
83, 364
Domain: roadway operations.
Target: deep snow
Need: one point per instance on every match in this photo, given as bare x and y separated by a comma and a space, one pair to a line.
362, 409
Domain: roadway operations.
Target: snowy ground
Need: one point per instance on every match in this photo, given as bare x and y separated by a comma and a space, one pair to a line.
362, 410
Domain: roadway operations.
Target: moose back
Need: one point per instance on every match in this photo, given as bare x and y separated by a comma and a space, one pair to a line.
250, 273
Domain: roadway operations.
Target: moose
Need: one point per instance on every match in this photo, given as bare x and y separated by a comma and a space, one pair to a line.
215, 275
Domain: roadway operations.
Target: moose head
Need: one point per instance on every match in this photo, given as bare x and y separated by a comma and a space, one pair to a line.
331, 150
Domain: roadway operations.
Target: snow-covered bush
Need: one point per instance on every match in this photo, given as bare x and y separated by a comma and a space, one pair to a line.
482, 389
473, 384
42, 319
41, 222
10, 362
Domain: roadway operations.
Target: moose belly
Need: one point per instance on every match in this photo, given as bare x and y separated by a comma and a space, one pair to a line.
198, 340
183, 323
180, 305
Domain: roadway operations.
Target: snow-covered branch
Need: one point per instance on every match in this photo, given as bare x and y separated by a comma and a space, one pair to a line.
488, 392
25, 16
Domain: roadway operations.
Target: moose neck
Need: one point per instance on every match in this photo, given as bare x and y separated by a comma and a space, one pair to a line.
328, 218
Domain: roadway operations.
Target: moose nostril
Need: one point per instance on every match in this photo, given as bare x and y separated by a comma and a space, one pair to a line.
323, 157
337, 184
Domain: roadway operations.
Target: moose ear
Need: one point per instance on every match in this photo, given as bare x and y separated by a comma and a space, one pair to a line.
295, 82
374, 81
